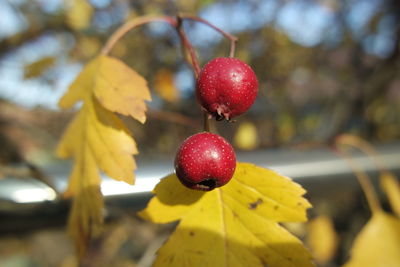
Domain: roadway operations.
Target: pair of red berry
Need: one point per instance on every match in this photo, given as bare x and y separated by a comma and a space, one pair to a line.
226, 87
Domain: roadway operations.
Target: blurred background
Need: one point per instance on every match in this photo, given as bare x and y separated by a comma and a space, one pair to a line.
325, 67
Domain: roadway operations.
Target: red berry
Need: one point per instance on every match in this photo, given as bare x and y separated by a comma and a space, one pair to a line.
205, 161
226, 87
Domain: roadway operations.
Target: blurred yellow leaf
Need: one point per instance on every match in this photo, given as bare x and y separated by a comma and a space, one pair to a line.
100, 133
391, 186
86, 47
79, 13
378, 243
286, 128
322, 239
246, 136
165, 86
116, 86
70, 261
120, 89
296, 228
38, 67
97, 140
235, 225
310, 122
82, 86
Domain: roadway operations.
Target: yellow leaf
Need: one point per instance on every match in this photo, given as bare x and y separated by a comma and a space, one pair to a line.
86, 217
117, 87
378, 244
391, 186
82, 86
235, 225
89, 46
322, 239
286, 127
38, 67
102, 134
120, 89
97, 140
165, 86
246, 136
79, 14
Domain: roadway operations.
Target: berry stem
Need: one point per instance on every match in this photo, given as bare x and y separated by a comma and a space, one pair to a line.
187, 46
206, 122
227, 35
232, 51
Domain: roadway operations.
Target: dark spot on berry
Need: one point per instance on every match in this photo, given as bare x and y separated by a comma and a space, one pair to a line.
208, 184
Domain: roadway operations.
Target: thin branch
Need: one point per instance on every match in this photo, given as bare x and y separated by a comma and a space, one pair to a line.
172, 117
187, 46
26, 171
227, 35
121, 31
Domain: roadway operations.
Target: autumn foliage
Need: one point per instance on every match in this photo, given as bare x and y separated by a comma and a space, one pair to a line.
98, 140
235, 225
238, 224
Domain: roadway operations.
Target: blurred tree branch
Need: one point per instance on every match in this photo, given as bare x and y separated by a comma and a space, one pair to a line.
36, 29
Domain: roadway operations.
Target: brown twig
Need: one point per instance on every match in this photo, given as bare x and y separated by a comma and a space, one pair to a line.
227, 35
172, 117
26, 171
187, 46
128, 26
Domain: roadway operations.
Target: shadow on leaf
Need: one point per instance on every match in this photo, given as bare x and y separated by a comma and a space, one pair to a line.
174, 193
86, 217
200, 247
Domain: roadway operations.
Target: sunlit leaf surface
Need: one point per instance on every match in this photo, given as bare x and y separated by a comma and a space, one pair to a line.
235, 225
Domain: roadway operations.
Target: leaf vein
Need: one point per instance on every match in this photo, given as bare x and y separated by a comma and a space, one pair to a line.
255, 236
110, 151
223, 226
